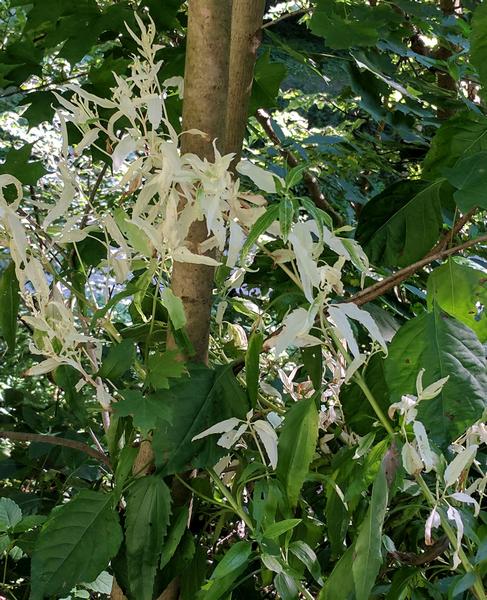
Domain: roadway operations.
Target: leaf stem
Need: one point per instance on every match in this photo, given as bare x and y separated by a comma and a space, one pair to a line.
231, 500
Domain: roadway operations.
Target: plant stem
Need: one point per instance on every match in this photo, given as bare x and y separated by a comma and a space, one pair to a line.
224, 491
374, 404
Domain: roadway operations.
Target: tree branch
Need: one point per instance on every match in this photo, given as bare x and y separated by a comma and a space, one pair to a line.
310, 180
296, 13
381, 287
457, 227
56, 441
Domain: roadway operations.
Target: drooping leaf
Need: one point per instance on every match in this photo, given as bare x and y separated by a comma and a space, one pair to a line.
457, 288
469, 177
145, 409
367, 552
147, 518
444, 347
252, 365
196, 403
297, 443
118, 360
9, 305
400, 225
75, 545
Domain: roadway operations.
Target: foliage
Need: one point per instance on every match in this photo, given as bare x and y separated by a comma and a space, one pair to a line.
328, 449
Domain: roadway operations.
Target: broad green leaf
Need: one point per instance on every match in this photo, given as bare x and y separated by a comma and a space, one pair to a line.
478, 44
308, 557
125, 463
277, 529
9, 305
196, 403
400, 225
17, 163
174, 536
161, 366
339, 585
286, 586
145, 409
443, 347
341, 33
260, 226
457, 288
462, 135
313, 363
10, 514
75, 545
147, 518
40, 107
469, 176
252, 365
267, 81
367, 553
234, 559
118, 360
297, 443
136, 237
174, 307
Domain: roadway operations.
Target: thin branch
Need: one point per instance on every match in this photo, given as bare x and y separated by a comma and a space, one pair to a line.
42, 86
381, 287
56, 441
310, 180
457, 227
429, 555
296, 13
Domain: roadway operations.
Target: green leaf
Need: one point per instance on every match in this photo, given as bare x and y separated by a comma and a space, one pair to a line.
462, 135
367, 555
75, 545
308, 557
297, 444
267, 82
339, 585
342, 33
196, 403
175, 308
286, 586
313, 363
259, 227
40, 108
161, 366
10, 514
145, 409
118, 360
17, 164
457, 288
286, 214
277, 529
9, 305
234, 559
478, 44
174, 536
147, 518
469, 176
400, 225
443, 347
252, 370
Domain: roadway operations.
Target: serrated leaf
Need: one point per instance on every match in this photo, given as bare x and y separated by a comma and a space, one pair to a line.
400, 225
162, 366
147, 518
10, 514
145, 409
174, 536
252, 371
367, 558
118, 360
17, 163
459, 289
196, 402
9, 305
443, 347
75, 545
297, 444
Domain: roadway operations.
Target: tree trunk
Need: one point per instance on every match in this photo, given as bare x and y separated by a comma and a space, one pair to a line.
444, 80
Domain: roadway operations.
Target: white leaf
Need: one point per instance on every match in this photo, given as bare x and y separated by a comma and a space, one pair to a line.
183, 254
303, 246
227, 440
294, 326
235, 243
432, 522
221, 427
458, 464
411, 460
269, 438
86, 141
125, 147
46, 366
176, 81
427, 456
263, 179
466, 499
434, 389
364, 318
339, 318
154, 111
454, 515
270, 390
